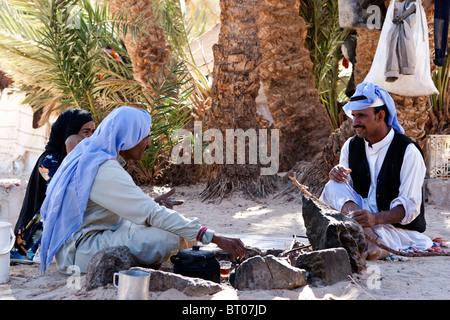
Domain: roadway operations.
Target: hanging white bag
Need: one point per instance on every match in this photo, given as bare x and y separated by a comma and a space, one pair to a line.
418, 84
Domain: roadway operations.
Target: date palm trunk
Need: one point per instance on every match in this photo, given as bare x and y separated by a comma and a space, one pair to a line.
150, 51
235, 86
286, 72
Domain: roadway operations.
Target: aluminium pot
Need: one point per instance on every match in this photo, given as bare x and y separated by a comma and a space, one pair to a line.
198, 263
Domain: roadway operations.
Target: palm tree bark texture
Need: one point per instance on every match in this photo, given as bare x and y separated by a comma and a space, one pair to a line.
150, 51
286, 72
234, 90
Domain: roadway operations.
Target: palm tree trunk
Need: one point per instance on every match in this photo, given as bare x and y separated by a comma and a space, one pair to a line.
288, 82
233, 93
150, 51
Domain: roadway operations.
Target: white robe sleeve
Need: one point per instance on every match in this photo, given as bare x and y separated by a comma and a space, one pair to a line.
412, 176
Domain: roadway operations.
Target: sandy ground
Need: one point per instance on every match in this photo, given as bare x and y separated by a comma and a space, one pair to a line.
269, 222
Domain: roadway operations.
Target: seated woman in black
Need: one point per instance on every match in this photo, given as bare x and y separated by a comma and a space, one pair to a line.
28, 228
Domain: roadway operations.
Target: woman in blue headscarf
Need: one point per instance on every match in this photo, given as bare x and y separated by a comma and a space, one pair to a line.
92, 203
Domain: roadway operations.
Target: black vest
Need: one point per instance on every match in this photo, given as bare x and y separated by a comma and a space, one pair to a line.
388, 180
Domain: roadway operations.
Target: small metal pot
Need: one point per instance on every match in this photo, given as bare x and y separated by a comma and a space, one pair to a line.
197, 262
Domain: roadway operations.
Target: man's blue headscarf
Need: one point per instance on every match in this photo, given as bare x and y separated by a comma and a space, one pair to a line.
371, 95
68, 192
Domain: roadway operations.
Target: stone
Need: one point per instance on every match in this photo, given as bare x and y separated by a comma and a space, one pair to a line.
104, 264
327, 228
190, 286
326, 266
437, 192
274, 252
266, 273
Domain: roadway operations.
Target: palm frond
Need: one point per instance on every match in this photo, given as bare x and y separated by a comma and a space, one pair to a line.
441, 81
56, 50
324, 40
19, 21
169, 104
179, 29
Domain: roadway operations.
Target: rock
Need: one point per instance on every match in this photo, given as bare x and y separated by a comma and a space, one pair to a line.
163, 281
252, 252
274, 252
268, 273
327, 228
437, 192
104, 264
326, 266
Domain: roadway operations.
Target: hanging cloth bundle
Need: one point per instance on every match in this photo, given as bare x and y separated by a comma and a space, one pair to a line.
415, 83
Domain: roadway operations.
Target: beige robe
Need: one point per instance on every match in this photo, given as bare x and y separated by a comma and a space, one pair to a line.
119, 213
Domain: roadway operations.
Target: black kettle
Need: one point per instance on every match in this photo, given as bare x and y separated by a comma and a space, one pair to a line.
197, 263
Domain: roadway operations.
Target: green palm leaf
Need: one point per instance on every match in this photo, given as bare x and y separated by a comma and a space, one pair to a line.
324, 40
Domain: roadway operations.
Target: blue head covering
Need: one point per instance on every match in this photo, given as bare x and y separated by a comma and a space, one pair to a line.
68, 192
373, 96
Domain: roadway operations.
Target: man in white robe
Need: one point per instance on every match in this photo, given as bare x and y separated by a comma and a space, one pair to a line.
397, 225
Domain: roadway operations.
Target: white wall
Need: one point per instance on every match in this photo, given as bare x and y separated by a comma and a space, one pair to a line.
20, 147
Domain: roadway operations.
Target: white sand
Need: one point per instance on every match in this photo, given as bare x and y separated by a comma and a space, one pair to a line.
256, 222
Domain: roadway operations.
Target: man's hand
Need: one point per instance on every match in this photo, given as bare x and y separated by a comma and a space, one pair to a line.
368, 219
233, 245
364, 218
339, 174
163, 200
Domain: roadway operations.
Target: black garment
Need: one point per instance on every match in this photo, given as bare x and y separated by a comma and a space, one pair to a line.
441, 23
350, 55
388, 180
67, 124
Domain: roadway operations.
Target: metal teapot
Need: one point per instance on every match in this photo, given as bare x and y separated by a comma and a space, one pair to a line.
197, 262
